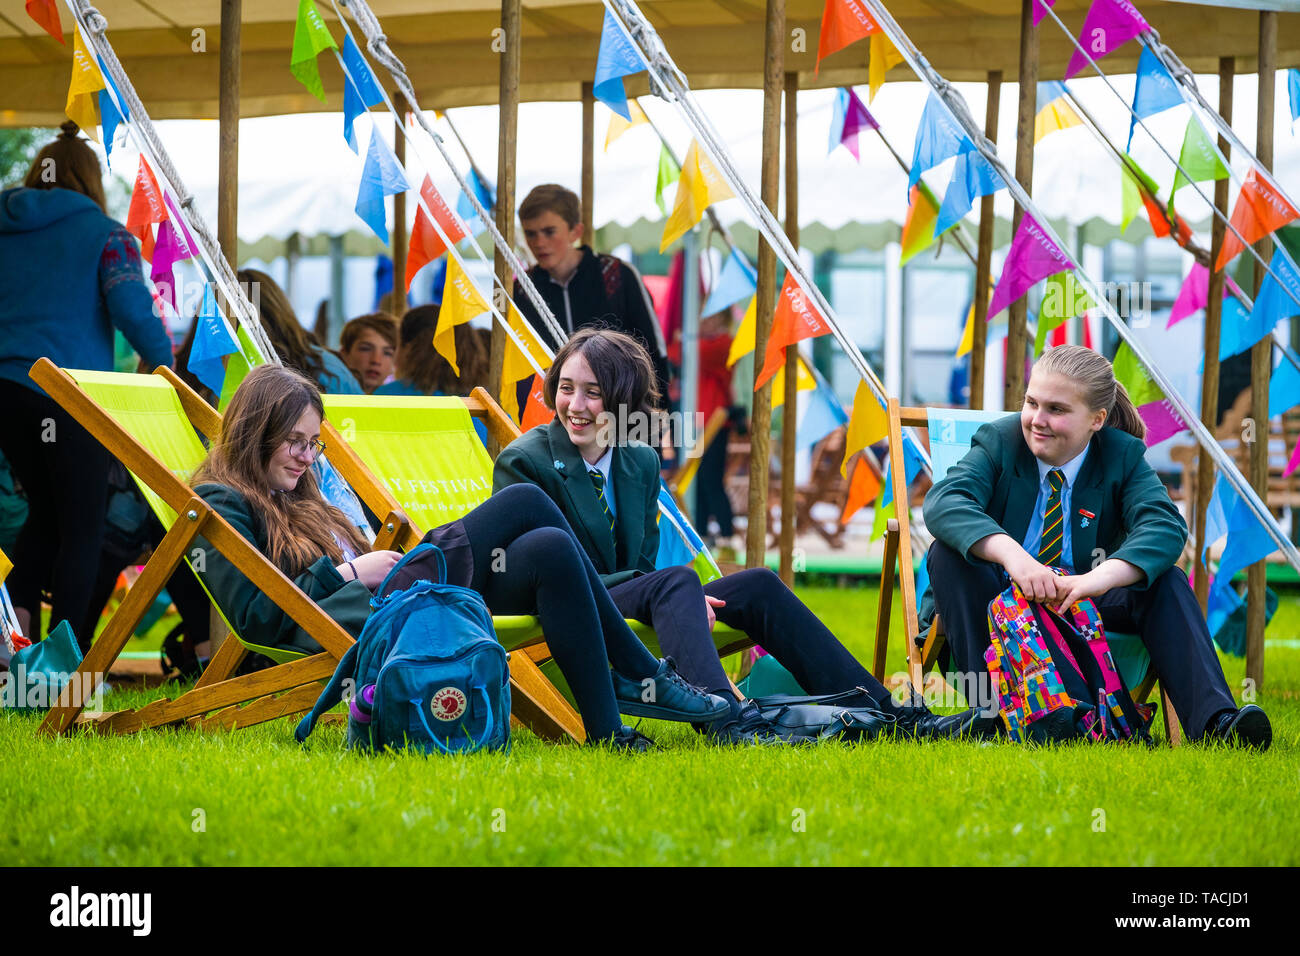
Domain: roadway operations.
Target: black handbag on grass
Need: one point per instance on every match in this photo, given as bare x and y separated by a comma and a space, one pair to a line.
809, 719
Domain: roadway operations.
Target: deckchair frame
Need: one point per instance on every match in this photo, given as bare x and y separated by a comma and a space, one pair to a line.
923, 650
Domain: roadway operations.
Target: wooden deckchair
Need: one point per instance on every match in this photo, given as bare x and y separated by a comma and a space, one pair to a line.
954, 429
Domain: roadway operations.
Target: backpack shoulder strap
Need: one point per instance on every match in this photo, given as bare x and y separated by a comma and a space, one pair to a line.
331, 695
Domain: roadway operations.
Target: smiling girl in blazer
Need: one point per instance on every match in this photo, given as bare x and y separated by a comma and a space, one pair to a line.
609, 491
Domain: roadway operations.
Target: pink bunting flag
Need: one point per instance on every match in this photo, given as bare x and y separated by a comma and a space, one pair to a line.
1294, 463
856, 119
1195, 294
1108, 26
1032, 256
1040, 9
178, 219
169, 249
1161, 420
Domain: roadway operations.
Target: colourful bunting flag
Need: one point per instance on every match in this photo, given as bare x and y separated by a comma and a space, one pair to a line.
535, 411
244, 359
1284, 386
1260, 209
737, 281
516, 366
212, 342
885, 507
109, 117
1193, 295
843, 22
485, 193
938, 138
1055, 115
1199, 158
1157, 411
1248, 542
170, 249
972, 176
426, 244
1237, 330
849, 119
1064, 298
868, 424
1279, 294
381, 177
310, 37
700, 186
46, 15
1293, 95
665, 176
918, 227
803, 382
1293, 463
795, 319
618, 125
743, 342
1154, 91
884, 57
1108, 26
1032, 256
967, 333
1216, 513
146, 208
84, 87
1040, 10
864, 486
461, 302
360, 89
617, 58
1131, 198
818, 414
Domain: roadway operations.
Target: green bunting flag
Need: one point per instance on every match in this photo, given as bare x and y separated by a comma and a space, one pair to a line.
310, 37
668, 173
1130, 194
1130, 373
1199, 158
1063, 299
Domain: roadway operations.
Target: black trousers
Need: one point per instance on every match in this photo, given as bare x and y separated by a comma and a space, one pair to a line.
528, 561
671, 600
711, 499
64, 473
1164, 615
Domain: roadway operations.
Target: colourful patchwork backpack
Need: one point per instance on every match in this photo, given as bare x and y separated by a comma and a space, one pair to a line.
1054, 676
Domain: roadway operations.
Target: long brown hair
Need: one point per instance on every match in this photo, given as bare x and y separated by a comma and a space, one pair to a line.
1095, 377
622, 367
74, 164
418, 362
292, 342
300, 525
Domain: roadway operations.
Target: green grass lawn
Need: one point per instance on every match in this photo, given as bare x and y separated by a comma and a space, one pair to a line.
256, 797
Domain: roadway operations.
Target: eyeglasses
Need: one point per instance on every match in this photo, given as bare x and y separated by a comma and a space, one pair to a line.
306, 446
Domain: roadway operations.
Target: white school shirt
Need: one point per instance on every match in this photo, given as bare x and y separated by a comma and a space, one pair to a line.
1033, 537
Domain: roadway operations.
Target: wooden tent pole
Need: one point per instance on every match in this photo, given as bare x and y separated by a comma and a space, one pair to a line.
1261, 355
506, 146
760, 432
789, 413
228, 135
400, 237
1017, 335
588, 165
1213, 325
984, 263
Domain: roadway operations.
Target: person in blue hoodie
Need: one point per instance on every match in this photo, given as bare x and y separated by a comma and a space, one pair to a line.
69, 275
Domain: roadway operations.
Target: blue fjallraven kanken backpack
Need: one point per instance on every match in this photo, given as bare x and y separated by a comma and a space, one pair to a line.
427, 672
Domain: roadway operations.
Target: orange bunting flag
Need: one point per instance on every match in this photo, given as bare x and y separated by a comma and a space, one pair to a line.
535, 412
868, 423
863, 489
461, 301
843, 22
84, 87
426, 245
46, 14
795, 320
1260, 209
146, 208
918, 227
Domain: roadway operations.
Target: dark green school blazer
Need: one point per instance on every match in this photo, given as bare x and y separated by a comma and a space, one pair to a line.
545, 457
254, 615
995, 487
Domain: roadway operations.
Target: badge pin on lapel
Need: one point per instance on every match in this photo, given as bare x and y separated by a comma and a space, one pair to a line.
1085, 516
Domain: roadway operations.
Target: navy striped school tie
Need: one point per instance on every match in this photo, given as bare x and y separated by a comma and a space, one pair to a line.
1049, 547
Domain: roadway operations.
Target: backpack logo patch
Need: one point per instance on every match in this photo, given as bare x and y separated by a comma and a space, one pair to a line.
448, 703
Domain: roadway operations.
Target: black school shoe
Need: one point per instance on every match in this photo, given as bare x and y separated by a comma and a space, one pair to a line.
914, 719
670, 697
1247, 727
744, 727
631, 741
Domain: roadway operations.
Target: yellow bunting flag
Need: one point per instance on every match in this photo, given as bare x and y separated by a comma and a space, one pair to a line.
803, 382
700, 186
1056, 115
83, 90
743, 343
884, 57
618, 126
918, 227
5, 566
968, 333
516, 366
867, 424
461, 301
